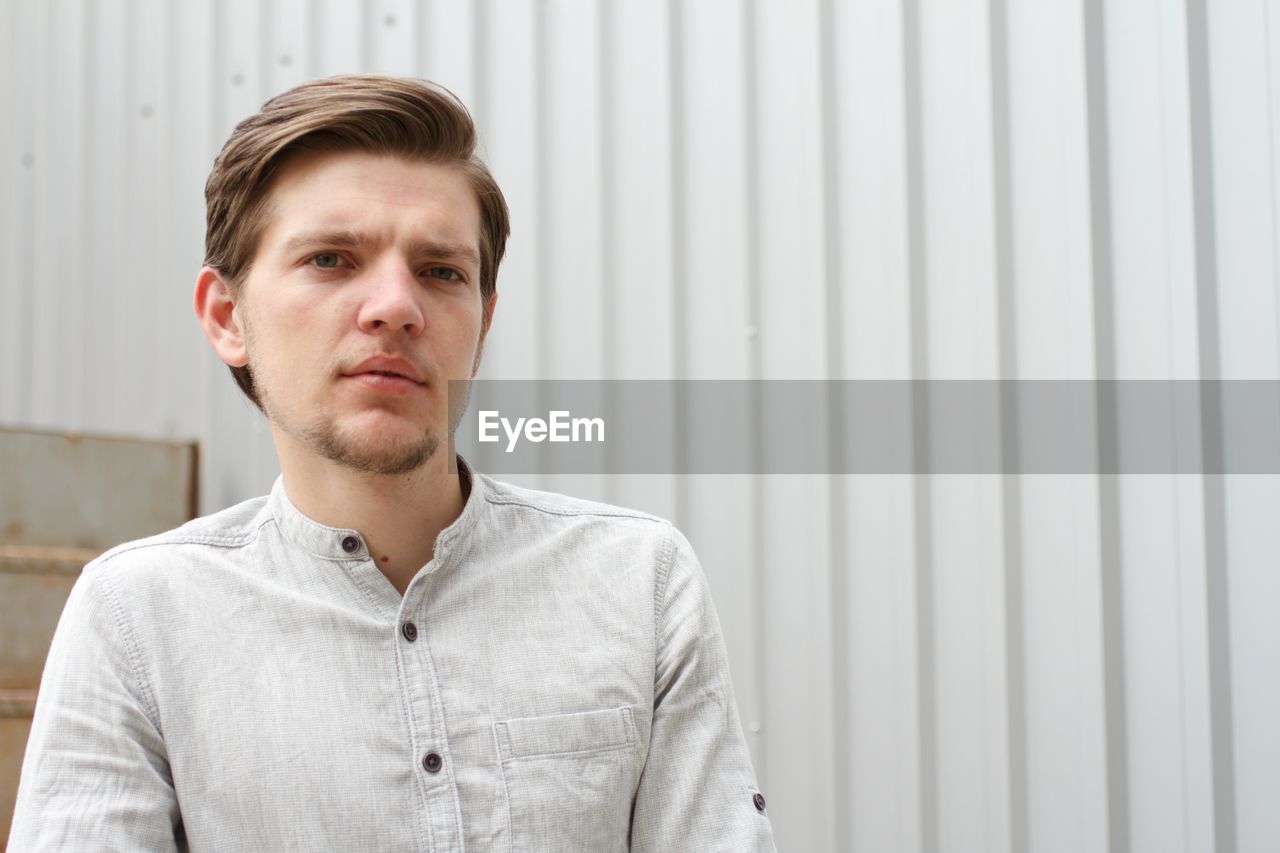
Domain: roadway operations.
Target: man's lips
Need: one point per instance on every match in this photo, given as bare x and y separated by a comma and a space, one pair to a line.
386, 375
397, 385
387, 365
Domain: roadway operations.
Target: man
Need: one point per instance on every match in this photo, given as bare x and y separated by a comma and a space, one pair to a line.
381, 655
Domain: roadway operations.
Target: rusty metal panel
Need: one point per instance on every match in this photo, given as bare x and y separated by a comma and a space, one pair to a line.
14, 731
91, 491
33, 591
64, 498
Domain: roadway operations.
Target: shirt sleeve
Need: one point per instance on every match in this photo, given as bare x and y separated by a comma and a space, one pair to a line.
95, 774
698, 791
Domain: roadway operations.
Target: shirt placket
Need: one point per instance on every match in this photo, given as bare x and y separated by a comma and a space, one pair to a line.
437, 790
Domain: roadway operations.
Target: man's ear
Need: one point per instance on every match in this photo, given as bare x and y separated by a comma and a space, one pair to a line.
487, 320
218, 317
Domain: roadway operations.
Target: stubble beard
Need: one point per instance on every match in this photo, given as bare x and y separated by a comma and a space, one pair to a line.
365, 454
325, 438
352, 453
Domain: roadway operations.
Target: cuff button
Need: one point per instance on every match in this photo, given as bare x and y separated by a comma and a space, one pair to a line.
758, 799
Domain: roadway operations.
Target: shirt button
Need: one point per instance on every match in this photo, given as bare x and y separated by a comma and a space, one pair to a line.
350, 544
432, 762
758, 799
410, 631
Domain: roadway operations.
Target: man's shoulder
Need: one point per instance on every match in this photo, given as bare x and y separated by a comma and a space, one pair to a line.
228, 528
534, 501
594, 536
548, 514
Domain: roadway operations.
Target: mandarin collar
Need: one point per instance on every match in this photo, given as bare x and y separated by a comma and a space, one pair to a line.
336, 543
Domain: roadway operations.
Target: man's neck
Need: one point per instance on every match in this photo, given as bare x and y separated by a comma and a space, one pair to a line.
398, 515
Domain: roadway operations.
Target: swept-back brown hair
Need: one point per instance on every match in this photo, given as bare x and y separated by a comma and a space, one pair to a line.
373, 113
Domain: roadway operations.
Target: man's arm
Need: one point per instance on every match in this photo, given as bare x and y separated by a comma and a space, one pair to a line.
698, 790
95, 775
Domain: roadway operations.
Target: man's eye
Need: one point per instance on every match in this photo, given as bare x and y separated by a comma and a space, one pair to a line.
326, 260
445, 273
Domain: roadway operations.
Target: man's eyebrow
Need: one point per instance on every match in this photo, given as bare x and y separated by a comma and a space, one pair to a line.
348, 238
334, 237
446, 251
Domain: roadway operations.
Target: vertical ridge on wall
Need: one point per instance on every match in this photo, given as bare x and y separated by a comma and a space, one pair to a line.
110, 193
1110, 565
127, 180
606, 196
606, 191
926, 705
1220, 695
679, 250
1011, 484
180, 261
266, 45
926, 702
479, 100
311, 42
10, 209
38, 260
366, 43
842, 785
81, 348
21, 198
751, 211
541, 187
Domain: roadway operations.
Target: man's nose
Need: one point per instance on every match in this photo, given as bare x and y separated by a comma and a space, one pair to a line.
392, 301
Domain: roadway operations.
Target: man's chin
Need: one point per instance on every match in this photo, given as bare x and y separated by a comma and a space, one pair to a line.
368, 455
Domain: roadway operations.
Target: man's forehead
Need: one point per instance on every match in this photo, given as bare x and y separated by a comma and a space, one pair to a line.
363, 193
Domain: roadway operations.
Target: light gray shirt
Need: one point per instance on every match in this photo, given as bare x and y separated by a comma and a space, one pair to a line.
553, 680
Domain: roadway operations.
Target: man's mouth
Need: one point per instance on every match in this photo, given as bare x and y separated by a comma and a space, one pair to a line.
385, 382
387, 375
390, 367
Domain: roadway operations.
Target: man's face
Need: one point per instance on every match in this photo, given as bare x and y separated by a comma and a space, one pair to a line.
362, 302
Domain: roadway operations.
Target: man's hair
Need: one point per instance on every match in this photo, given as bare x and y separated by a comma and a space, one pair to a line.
372, 113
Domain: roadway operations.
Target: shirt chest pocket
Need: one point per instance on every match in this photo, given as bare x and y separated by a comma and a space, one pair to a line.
570, 779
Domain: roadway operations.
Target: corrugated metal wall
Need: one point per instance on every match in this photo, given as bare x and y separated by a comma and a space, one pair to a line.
784, 189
